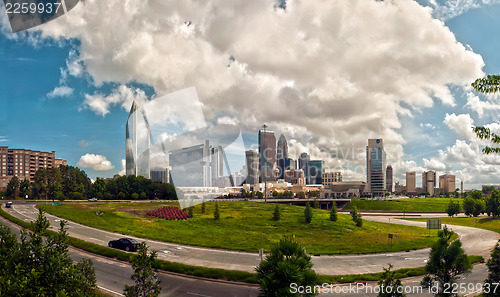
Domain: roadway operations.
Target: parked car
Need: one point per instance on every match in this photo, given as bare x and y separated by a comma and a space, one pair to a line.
8, 204
127, 244
93, 199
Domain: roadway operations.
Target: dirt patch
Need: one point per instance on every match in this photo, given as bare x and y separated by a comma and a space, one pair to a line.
135, 212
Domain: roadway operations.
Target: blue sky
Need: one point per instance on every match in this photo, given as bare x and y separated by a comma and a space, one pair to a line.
294, 69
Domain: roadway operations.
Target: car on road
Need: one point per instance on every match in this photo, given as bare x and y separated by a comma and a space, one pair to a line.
93, 199
8, 204
127, 244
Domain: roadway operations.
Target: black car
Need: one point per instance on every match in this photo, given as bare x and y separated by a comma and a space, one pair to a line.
128, 244
8, 204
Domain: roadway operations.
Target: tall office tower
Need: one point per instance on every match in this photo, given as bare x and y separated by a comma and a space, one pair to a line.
303, 159
217, 161
285, 164
282, 148
388, 178
411, 182
24, 164
267, 155
447, 183
429, 182
137, 142
252, 166
375, 167
315, 170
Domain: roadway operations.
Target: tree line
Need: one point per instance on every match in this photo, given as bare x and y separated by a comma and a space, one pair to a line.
475, 205
68, 182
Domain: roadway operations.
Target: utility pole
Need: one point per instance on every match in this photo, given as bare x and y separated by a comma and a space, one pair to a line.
265, 162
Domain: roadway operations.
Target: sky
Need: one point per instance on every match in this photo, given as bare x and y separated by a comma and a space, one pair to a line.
327, 74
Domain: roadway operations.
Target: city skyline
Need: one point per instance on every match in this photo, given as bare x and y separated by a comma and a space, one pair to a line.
79, 95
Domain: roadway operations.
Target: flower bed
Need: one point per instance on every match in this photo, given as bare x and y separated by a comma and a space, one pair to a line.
168, 213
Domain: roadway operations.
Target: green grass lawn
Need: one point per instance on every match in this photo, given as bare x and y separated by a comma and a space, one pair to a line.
406, 204
488, 223
245, 225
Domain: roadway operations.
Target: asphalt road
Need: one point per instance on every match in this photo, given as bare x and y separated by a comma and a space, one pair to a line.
112, 276
475, 242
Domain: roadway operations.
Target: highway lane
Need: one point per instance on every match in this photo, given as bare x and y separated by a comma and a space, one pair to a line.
113, 275
475, 242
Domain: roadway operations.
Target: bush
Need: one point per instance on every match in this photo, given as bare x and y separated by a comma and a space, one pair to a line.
134, 196
216, 212
356, 217
276, 214
333, 212
308, 214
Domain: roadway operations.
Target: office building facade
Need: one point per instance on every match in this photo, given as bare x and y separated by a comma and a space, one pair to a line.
24, 163
411, 182
447, 183
285, 164
137, 142
388, 178
252, 166
267, 155
428, 182
160, 175
295, 176
331, 177
282, 148
315, 170
375, 167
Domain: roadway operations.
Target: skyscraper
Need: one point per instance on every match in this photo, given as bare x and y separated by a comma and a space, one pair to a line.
252, 166
285, 164
388, 178
447, 183
267, 155
315, 170
137, 142
375, 167
411, 182
429, 182
282, 148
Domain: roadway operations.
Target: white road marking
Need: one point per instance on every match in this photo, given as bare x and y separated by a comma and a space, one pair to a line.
111, 291
196, 294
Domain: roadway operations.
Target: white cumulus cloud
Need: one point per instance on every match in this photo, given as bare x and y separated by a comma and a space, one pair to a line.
60, 91
96, 162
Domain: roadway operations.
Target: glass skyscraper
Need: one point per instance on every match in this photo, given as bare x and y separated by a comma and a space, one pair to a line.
375, 167
137, 142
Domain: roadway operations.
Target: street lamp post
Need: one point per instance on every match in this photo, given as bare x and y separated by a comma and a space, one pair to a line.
265, 161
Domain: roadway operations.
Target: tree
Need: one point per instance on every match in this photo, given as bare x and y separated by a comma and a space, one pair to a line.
356, 217
447, 261
260, 195
488, 85
490, 284
477, 194
333, 212
316, 204
287, 264
479, 207
24, 187
216, 212
98, 188
46, 183
203, 207
389, 286
35, 266
12, 187
493, 203
453, 208
144, 276
468, 206
276, 214
308, 214
190, 211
